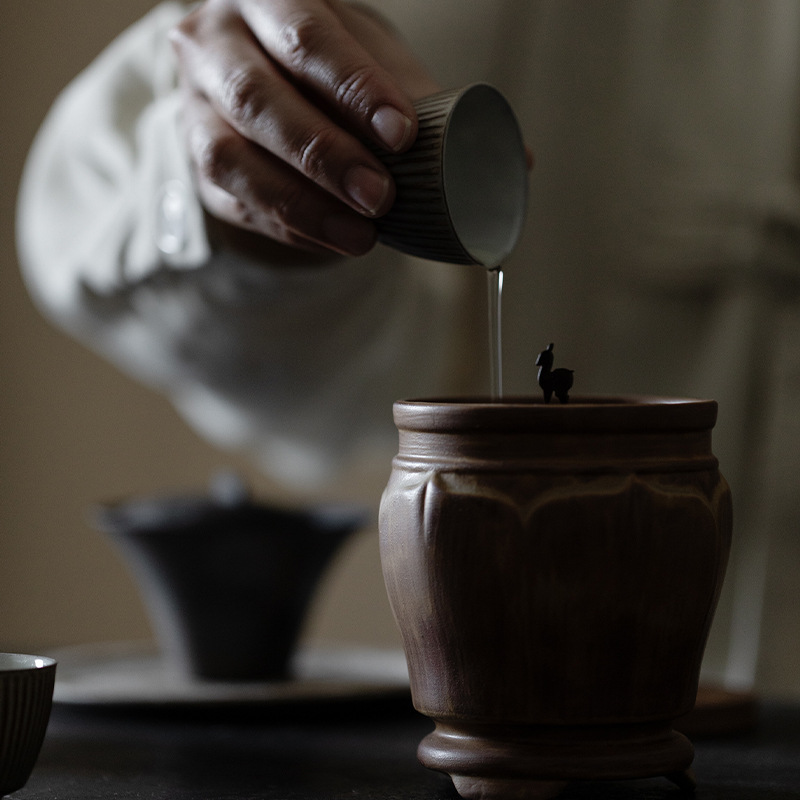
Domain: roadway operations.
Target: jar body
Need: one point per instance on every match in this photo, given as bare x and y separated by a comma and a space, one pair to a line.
555, 569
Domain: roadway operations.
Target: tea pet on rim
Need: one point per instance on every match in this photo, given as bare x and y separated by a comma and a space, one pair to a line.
553, 381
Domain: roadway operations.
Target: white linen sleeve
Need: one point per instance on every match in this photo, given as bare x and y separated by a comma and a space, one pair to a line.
92, 196
297, 365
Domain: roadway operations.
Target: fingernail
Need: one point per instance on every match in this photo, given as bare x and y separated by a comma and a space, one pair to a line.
367, 188
349, 234
392, 127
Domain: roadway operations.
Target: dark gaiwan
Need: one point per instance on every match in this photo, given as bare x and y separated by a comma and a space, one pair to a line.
554, 570
227, 581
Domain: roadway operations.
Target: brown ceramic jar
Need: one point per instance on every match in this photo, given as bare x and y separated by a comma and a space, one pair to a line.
554, 570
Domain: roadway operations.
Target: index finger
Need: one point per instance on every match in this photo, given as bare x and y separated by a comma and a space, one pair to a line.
309, 40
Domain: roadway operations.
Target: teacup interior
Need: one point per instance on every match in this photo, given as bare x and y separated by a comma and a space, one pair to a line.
485, 174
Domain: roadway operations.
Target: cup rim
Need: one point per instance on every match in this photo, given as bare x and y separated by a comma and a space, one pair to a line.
464, 220
22, 662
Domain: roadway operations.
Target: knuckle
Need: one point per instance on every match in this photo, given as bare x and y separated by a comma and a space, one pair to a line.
286, 203
356, 90
214, 157
243, 96
184, 32
314, 152
244, 215
301, 36
236, 212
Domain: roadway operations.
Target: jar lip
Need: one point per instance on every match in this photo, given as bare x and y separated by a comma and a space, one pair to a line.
597, 413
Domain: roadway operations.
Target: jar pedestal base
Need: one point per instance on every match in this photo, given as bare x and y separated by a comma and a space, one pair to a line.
520, 762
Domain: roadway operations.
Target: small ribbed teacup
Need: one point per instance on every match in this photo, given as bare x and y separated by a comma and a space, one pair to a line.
462, 187
26, 697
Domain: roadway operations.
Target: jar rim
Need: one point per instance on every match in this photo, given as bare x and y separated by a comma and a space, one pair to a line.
598, 413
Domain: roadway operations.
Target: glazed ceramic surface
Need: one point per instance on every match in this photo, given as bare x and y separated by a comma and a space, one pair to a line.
227, 581
554, 570
462, 187
26, 696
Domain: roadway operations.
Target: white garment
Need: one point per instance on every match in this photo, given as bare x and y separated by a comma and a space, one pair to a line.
113, 245
662, 255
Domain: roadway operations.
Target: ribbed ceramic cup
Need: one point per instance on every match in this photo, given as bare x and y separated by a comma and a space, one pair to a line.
462, 187
26, 697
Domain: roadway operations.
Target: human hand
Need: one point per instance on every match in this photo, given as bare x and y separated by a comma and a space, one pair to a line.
278, 98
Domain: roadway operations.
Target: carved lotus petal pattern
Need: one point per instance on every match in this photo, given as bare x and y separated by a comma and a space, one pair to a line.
587, 591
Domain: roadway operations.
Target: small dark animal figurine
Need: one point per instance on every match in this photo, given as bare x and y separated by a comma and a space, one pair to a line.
556, 382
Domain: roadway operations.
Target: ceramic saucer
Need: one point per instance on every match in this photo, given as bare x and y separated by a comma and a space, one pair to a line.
133, 673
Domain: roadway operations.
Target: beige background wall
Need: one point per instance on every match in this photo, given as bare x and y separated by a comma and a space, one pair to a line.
73, 431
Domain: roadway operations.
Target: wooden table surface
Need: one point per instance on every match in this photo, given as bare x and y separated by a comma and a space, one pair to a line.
341, 751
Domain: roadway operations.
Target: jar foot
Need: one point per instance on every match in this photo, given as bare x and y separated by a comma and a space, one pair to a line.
472, 788
519, 762
684, 780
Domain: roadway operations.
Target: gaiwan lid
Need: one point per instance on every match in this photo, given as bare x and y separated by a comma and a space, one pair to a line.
226, 506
